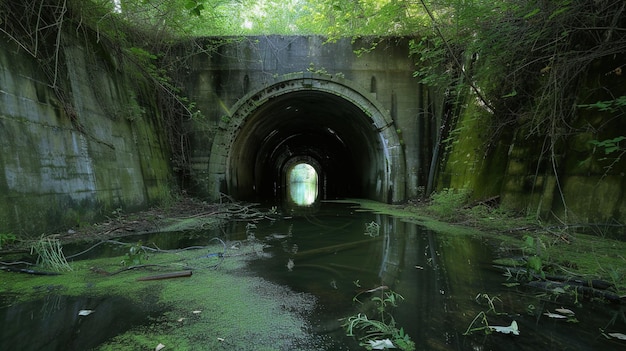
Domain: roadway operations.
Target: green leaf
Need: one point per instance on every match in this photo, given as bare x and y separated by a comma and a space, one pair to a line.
190, 4
511, 94
532, 13
534, 263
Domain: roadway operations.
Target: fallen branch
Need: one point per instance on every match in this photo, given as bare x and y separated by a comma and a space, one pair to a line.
336, 248
27, 271
125, 269
181, 274
586, 291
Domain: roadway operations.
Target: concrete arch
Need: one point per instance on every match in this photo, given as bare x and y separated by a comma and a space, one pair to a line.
330, 119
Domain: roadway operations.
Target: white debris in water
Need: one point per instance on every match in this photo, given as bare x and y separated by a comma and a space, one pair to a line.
290, 265
381, 344
85, 312
512, 329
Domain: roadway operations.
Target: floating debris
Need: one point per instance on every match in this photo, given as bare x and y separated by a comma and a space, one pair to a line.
511, 329
85, 312
565, 311
381, 344
555, 315
617, 336
166, 276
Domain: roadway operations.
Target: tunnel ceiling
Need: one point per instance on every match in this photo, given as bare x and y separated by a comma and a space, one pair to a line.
306, 124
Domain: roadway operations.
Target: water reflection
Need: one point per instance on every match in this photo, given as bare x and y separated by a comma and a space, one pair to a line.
439, 275
331, 254
53, 323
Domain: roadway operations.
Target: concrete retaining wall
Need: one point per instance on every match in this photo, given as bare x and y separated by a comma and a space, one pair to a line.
64, 163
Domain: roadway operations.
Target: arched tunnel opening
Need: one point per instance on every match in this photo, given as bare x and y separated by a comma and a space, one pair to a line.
302, 186
325, 128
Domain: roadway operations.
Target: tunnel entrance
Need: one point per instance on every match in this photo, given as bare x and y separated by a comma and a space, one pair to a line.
325, 122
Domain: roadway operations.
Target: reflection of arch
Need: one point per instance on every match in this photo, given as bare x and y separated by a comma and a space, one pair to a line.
338, 111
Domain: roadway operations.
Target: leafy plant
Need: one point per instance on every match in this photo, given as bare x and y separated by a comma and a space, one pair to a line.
135, 255
7, 239
608, 105
379, 333
609, 145
481, 323
118, 214
447, 202
533, 246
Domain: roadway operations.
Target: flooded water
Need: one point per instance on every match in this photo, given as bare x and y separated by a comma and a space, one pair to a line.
440, 276
339, 254
53, 323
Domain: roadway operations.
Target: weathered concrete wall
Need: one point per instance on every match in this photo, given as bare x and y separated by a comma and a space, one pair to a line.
573, 181
218, 81
58, 171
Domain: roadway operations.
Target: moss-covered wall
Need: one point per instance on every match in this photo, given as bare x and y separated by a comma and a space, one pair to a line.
562, 176
70, 155
473, 159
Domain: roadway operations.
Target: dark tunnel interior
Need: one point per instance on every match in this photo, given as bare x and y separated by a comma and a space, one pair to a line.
319, 128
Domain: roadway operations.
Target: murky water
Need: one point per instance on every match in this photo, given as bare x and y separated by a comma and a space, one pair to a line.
338, 253
440, 276
54, 322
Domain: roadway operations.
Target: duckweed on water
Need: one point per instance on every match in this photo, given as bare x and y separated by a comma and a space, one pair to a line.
220, 306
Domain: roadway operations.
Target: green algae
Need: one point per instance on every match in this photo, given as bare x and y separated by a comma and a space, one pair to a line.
412, 214
219, 306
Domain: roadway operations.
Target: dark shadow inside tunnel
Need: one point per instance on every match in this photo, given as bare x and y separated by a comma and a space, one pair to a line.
326, 129
320, 128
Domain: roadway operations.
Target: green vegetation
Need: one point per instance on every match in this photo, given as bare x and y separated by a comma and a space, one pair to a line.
381, 333
7, 239
50, 254
520, 69
447, 203
217, 306
572, 252
135, 256
481, 323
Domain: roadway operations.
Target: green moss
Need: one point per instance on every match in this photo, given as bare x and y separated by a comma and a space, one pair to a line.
589, 256
413, 215
476, 159
217, 307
